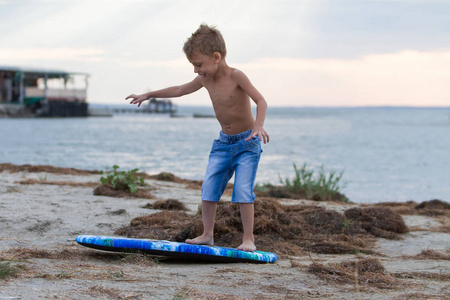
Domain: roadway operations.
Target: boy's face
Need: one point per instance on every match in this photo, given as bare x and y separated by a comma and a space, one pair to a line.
204, 65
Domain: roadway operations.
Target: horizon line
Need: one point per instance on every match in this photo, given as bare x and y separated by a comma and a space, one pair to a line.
304, 106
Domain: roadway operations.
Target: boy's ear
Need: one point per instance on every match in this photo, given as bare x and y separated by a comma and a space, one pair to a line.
217, 57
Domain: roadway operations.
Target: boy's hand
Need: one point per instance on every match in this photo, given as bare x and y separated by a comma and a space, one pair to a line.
137, 99
261, 133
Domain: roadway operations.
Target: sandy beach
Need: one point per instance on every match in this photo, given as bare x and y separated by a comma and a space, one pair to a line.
43, 210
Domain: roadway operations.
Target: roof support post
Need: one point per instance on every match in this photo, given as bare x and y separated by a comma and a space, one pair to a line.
21, 88
45, 86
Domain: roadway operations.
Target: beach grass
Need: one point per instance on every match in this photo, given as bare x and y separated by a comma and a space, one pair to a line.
312, 185
7, 270
318, 186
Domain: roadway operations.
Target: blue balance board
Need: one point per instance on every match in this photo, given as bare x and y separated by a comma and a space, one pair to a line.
174, 249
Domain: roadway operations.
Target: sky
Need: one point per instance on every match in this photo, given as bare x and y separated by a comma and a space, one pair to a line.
295, 52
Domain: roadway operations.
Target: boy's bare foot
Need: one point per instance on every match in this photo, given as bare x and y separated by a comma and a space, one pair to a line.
201, 240
247, 246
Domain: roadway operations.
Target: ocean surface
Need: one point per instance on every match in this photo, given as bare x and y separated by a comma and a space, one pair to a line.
386, 154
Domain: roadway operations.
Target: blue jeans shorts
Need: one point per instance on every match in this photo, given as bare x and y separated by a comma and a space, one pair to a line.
232, 154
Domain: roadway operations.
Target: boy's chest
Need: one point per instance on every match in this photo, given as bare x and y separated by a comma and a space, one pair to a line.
223, 91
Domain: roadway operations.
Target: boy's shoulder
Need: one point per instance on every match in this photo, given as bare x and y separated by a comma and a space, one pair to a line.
237, 74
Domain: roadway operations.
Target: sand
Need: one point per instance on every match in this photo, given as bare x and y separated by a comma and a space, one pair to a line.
40, 221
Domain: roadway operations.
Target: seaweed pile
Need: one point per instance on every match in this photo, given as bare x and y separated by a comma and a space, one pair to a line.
286, 229
361, 272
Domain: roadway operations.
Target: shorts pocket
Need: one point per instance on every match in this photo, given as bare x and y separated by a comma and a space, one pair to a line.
253, 145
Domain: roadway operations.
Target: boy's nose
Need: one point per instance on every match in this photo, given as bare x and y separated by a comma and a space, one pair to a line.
195, 70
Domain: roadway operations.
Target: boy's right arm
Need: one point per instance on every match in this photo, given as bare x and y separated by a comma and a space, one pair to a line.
170, 92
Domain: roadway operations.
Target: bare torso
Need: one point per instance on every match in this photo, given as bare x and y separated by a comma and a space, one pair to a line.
231, 104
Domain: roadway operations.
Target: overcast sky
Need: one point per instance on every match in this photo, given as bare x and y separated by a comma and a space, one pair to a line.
297, 53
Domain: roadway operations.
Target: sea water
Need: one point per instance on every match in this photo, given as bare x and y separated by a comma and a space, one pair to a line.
385, 154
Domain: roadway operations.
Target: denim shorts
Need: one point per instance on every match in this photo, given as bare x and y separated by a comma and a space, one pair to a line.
232, 154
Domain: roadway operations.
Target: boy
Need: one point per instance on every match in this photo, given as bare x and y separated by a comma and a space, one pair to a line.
238, 148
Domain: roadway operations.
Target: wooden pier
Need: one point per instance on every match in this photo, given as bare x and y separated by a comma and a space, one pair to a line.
153, 106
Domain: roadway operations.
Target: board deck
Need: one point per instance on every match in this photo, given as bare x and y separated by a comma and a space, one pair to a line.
174, 249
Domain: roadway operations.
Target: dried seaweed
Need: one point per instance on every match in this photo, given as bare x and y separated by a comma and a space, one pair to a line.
378, 221
362, 273
286, 229
169, 204
107, 190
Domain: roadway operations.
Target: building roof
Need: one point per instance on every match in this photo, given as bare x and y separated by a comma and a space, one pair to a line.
38, 71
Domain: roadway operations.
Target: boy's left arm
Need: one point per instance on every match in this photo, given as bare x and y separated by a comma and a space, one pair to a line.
261, 106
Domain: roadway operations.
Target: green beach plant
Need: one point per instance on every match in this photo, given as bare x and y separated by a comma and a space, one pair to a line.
321, 186
125, 180
346, 226
6, 270
13, 189
181, 294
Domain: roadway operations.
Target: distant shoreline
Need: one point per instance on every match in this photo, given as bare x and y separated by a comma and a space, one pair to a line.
274, 106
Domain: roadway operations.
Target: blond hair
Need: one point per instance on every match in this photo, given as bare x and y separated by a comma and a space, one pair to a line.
206, 40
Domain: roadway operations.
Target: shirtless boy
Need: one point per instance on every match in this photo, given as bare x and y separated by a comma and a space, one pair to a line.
238, 148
